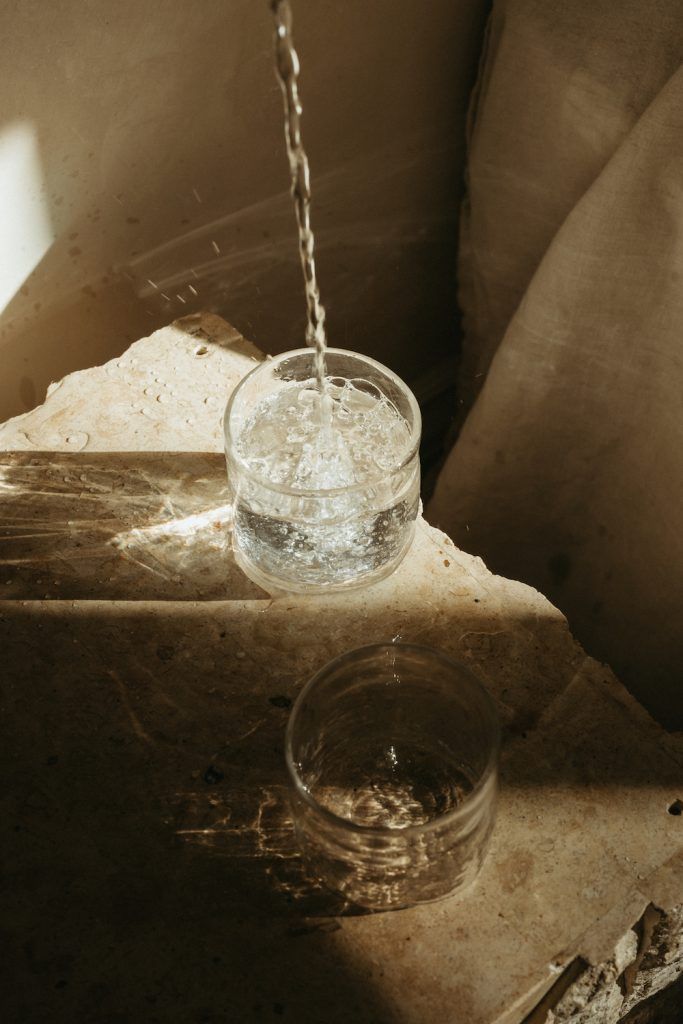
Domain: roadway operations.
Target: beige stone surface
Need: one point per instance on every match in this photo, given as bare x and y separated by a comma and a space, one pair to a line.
152, 868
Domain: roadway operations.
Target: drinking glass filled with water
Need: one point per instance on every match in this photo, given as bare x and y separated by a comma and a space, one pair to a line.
324, 470
392, 756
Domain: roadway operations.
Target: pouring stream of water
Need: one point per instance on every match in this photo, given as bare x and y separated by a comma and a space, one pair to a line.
287, 65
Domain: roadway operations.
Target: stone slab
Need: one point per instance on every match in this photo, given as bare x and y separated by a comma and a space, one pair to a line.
151, 865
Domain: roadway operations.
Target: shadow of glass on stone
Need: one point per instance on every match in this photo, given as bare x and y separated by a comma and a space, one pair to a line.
117, 526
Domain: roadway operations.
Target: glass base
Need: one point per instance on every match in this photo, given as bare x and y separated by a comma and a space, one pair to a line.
377, 904
276, 584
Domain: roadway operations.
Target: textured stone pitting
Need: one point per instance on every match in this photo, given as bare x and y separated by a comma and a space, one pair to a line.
165, 393
662, 962
596, 995
146, 686
647, 959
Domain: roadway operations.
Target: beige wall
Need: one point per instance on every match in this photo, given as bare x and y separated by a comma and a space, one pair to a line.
135, 135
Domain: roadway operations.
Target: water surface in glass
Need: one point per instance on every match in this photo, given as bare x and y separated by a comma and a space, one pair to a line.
326, 484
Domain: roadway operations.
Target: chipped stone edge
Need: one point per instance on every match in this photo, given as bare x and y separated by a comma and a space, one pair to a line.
645, 937
198, 325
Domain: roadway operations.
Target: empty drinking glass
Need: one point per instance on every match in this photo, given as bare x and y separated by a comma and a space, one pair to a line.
392, 753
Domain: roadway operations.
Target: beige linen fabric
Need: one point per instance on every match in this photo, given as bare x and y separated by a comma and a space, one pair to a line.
568, 472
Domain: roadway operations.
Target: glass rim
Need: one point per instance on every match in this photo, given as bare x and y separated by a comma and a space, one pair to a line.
461, 810
315, 492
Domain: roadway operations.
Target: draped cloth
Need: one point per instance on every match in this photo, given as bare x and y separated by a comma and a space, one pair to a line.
568, 470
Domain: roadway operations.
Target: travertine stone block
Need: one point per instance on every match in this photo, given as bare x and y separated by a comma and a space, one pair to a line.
145, 694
